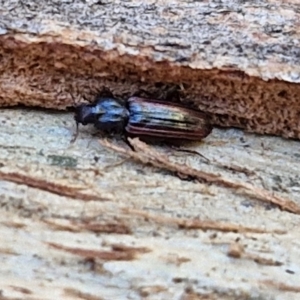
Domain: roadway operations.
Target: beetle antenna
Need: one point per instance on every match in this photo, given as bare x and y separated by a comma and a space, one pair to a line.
73, 99
75, 135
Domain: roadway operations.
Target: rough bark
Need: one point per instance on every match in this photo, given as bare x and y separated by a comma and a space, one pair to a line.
236, 60
80, 221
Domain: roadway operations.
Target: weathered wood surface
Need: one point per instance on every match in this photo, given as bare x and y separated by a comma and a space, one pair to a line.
140, 232
79, 222
220, 53
260, 38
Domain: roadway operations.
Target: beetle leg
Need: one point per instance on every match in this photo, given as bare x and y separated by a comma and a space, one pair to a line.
75, 135
141, 92
167, 93
104, 92
172, 94
125, 139
178, 149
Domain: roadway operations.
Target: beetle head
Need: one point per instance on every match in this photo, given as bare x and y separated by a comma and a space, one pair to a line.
82, 114
85, 114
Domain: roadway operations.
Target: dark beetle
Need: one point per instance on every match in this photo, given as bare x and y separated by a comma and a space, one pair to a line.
144, 118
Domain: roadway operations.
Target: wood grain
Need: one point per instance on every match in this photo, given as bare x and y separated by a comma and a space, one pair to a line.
156, 235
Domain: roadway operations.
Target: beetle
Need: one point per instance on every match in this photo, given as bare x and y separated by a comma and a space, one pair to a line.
143, 117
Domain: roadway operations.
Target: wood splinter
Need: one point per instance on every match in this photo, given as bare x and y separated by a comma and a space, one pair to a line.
148, 155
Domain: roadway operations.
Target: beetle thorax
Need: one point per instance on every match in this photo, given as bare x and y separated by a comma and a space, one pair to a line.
112, 115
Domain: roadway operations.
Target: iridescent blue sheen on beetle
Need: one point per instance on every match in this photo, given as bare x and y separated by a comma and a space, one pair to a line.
107, 114
144, 117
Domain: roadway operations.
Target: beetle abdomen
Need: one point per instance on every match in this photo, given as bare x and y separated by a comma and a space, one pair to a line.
165, 119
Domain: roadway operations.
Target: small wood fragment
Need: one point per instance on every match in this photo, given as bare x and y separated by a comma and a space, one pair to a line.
148, 155
52, 187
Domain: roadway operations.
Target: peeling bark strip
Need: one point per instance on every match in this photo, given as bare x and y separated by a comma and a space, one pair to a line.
148, 155
236, 60
52, 187
237, 250
281, 286
81, 225
118, 252
199, 224
75, 293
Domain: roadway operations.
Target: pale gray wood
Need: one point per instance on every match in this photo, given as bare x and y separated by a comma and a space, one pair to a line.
140, 209
127, 243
